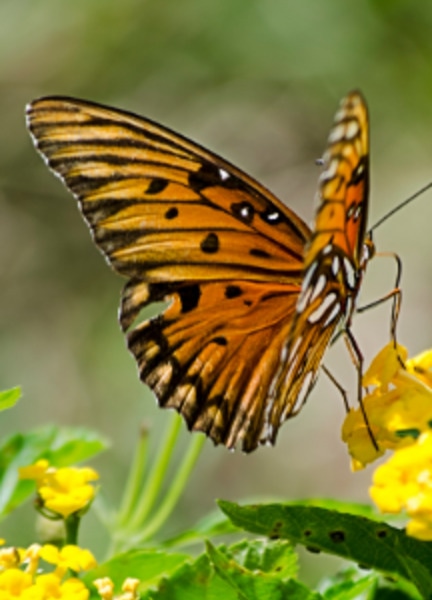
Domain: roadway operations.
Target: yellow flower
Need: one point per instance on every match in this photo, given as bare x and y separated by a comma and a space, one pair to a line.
32, 584
50, 587
13, 584
9, 558
105, 588
69, 557
63, 491
399, 409
405, 483
36, 471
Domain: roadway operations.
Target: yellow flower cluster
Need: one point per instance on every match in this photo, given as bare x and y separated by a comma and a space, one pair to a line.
63, 491
399, 411
21, 577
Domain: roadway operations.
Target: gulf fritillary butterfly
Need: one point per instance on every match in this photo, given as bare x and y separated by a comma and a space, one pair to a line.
255, 295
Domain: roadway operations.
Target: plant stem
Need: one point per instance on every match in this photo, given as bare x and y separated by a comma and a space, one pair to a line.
153, 485
135, 478
175, 489
71, 526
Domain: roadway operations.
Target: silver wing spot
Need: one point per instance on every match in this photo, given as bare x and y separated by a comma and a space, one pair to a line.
350, 274
303, 299
352, 129
308, 276
337, 133
306, 387
273, 216
224, 174
336, 265
325, 305
319, 286
335, 312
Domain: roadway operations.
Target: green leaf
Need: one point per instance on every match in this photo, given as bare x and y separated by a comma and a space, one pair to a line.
276, 557
146, 565
369, 543
211, 525
9, 398
61, 446
194, 580
349, 585
256, 585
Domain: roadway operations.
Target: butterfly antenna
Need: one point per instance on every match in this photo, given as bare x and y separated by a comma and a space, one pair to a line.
399, 206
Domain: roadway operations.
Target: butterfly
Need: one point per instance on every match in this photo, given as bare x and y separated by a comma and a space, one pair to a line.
254, 295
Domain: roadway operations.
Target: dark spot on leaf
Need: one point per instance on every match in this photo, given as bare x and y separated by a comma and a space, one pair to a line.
313, 549
307, 533
337, 536
259, 253
157, 185
189, 297
233, 291
210, 244
171, 213
381, 533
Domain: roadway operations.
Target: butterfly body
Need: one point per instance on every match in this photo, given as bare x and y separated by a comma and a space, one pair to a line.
254, 295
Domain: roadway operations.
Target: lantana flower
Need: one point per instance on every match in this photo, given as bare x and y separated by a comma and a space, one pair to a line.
22, 577
399, 413
398, 409
65, 490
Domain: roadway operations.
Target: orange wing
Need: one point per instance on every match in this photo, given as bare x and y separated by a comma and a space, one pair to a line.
186, 226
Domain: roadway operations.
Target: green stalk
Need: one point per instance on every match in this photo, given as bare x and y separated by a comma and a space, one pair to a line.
153, 485
175, 489
135, 479
71, 526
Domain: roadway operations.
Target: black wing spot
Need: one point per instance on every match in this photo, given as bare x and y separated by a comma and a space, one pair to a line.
259, 253
358, 174
243, 211
271, 216
233, 291
350, 211
220, 340
209, 175
247, 302
210, 244
189, 297
337, 536
171, 213
157, 185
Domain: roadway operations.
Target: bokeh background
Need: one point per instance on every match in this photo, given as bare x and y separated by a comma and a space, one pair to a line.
258, 82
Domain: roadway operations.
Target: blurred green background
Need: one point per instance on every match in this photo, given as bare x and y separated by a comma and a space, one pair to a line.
258, 82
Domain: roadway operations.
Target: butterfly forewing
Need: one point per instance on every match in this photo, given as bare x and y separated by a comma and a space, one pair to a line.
231, 353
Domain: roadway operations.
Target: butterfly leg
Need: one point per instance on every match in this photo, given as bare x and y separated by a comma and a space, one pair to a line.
395, 294
336, 383
358, 360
